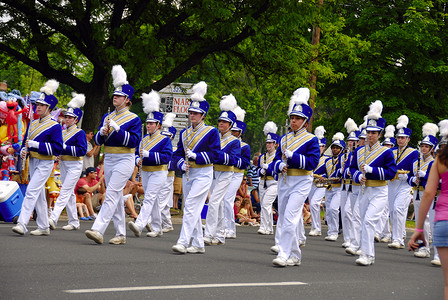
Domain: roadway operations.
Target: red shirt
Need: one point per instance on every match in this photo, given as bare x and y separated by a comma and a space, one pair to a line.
83, 181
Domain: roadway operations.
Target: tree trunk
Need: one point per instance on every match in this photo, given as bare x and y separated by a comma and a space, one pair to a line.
97, 102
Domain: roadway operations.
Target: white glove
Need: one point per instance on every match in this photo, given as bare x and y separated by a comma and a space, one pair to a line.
64, 146
368, 169
137, 161
421, 173
403, 177
145, 153
184, 167
281, 166
33, 144
103, 130
191, 154
265, 166
288, 153
262, 171
414, 179
23, 153
114, 125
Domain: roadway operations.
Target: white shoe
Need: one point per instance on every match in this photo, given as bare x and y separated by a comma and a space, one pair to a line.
261, 231
215, 241
436, 262
422, 253
386, 240
279, 262
364, 260
275, 249
359, 252
350, 250
148, 227
195, 250
331, 237
179, 249
293, 261
19, 229
237, 224
207, 240
134, 228
52, 224
118, 240
154, 234
346, 244
302, 243
69, 227
167, 229
377, 238
39, 231
94, 235
231, 236
395, 245
314, 232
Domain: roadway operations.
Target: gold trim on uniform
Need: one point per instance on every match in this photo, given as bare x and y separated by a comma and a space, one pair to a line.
171, 174
195, 165
236, 170
223, 168
70, 158
155, 168
298, 172
120, 150
42, 156
375, 183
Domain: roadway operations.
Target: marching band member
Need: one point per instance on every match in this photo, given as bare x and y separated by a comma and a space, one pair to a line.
44, 142
120, 132
399, 189
71, 162
198, 148
318, 193
333, 167
228, 157
296, 158
152, 155
268, 187
238, 173
372, 166
421, 167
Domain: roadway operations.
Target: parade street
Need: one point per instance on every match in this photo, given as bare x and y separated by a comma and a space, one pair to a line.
68, 265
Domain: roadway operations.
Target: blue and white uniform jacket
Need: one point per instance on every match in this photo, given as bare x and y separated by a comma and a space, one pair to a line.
75, 143
306, 152
380, 158
425, 165
244, 160
127, 138
160, 152
333, 167
202, 140
48, 133
267, 158
405, 159
230, 152
320, 169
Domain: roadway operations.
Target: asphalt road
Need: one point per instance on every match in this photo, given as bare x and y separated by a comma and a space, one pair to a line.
67, 265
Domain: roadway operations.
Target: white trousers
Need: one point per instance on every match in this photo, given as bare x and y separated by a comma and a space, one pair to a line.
291, 197
195, 192
70, 173
346, 215
118, 168
166, 201
315, 197
34, 198
229, 200
371, 206
214, 223
399, 200
152, 184
267, 198
355, 195
332, 203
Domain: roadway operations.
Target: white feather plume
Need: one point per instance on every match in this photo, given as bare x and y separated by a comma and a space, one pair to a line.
50, 87
443, 128
390, 131
339, 136
319, 132
78, 100
199, 91
402, 122
301, 96
151, 102
239, 113
430, 129
169, 119
119, 76
376, 108
364, 124
228, 103
291, 106
270, 127
350, 125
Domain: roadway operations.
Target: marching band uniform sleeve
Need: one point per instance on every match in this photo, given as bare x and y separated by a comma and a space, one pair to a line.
230, 154
211, 149
244, 161
76, 145
159, 154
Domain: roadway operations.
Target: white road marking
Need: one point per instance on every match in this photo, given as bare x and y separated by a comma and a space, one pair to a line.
176, 287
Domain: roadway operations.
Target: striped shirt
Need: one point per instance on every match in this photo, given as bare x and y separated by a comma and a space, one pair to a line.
252, 173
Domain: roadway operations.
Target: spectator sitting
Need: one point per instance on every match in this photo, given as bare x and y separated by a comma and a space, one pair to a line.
80, 206
95, 189
243, 214
243, 193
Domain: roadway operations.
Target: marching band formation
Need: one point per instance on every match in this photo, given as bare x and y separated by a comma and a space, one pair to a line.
363, 182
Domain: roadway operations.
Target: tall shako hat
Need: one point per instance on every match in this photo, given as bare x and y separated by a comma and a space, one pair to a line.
298, 105
338, 140
151, 106
168, 128
227, 105
198, 102
74, 106
352, 130
121, 84
402, 123
34, 96
270, 130
239, 125
47, 96
389, 136
429, 131
374, 120
362, 128
443, 125
319, 132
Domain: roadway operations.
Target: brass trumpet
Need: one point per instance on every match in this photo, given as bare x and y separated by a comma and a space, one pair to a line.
320, 181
